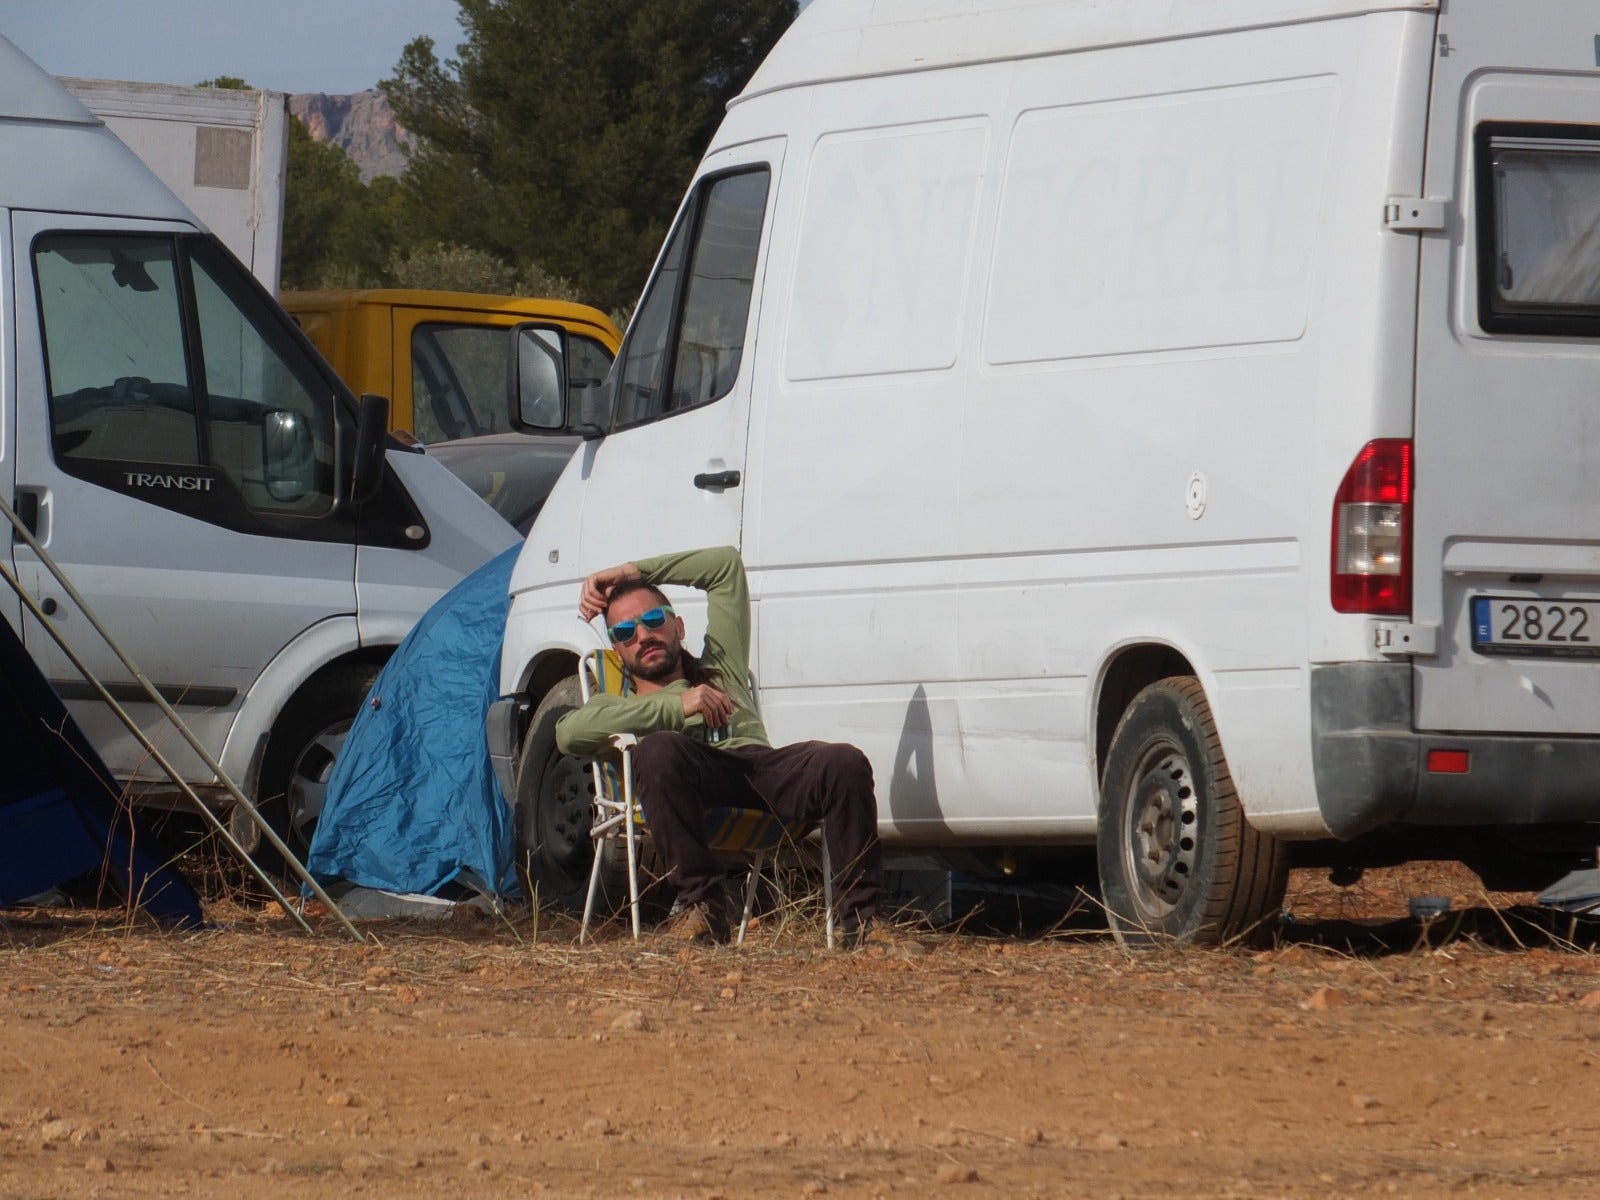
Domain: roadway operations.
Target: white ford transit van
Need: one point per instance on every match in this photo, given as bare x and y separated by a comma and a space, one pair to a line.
198, 472
1173, 427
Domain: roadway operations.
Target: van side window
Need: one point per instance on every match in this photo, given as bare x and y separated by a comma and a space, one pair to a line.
158, 353
113, 331
1538, 191
687, 340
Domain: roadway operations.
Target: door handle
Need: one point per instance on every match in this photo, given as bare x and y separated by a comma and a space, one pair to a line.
26, 505
717, 479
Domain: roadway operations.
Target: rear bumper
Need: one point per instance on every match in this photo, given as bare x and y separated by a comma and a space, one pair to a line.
1370, 764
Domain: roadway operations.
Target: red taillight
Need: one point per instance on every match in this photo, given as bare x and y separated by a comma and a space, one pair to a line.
1449, 762
1372, 532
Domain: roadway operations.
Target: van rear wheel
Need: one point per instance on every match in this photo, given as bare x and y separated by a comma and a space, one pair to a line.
1178, 861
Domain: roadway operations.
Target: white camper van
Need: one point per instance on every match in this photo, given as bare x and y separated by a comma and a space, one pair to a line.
1172, 427
198, 472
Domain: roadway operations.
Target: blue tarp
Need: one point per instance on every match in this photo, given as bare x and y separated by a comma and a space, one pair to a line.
413, 804
62, 815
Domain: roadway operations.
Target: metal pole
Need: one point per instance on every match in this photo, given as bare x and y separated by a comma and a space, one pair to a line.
155, 696
150, 747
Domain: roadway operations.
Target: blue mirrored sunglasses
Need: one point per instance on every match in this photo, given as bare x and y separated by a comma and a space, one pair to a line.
652, 618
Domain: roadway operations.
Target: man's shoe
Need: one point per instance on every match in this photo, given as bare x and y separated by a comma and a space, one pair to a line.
702, 924
886, 939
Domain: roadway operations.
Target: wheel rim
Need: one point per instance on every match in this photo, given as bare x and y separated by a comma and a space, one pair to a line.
1162, 843
560, 821
308, 782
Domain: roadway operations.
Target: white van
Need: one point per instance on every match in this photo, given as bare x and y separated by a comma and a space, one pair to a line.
1168, 426
198, 472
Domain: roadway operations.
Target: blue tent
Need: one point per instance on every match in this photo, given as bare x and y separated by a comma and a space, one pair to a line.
62, 814
412, 804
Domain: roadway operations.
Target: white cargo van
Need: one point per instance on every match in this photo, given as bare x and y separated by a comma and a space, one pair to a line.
199, 473
1172, 427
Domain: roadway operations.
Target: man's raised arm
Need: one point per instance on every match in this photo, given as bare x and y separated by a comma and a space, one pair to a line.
719, 572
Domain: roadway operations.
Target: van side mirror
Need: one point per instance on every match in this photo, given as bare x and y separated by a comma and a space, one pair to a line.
536, 378
288, 457
372, 436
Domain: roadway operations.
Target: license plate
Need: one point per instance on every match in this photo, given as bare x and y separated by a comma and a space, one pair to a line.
1549, 628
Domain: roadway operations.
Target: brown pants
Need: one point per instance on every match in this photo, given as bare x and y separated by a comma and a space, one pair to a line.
678, 779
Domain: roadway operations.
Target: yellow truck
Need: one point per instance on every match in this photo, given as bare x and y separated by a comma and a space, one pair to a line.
442, 358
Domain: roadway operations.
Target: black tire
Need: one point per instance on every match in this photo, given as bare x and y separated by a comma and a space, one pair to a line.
1178, 861
300, 754
554, 813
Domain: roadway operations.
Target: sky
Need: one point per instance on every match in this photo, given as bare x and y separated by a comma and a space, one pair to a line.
334, 46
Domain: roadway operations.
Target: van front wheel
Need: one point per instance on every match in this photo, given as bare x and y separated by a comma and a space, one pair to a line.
300, 755
1178, 861
555, 811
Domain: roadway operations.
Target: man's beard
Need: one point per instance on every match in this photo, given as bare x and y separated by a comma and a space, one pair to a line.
666, 665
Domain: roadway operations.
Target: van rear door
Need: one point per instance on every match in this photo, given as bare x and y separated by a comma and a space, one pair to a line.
1507, 434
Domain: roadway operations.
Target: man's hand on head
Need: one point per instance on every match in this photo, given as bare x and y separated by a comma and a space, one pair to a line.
709, 704
598, 586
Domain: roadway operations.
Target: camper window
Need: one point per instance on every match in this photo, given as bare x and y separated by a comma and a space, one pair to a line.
1539, 229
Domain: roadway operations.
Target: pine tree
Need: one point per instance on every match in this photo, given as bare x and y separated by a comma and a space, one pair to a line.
564, 134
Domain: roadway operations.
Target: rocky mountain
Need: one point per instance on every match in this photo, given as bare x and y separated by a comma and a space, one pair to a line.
361, 124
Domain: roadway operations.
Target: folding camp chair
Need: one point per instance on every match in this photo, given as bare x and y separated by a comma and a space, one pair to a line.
749, 834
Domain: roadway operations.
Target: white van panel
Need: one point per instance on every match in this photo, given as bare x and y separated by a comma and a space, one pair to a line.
884, 251
1205, 238
393, 585
850, 511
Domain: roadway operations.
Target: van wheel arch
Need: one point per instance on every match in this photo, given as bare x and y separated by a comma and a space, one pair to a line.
543, 674
1124, 677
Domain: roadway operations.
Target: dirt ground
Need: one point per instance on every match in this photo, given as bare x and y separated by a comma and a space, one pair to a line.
1363, 1054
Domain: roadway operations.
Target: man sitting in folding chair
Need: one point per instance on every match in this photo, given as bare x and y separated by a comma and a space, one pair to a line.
702, 744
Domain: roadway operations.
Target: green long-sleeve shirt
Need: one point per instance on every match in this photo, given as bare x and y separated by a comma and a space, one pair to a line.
719, 572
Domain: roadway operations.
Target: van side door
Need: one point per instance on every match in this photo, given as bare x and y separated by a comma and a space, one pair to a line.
670, 473
177, 447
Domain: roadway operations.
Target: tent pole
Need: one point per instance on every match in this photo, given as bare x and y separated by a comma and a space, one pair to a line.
183, 730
